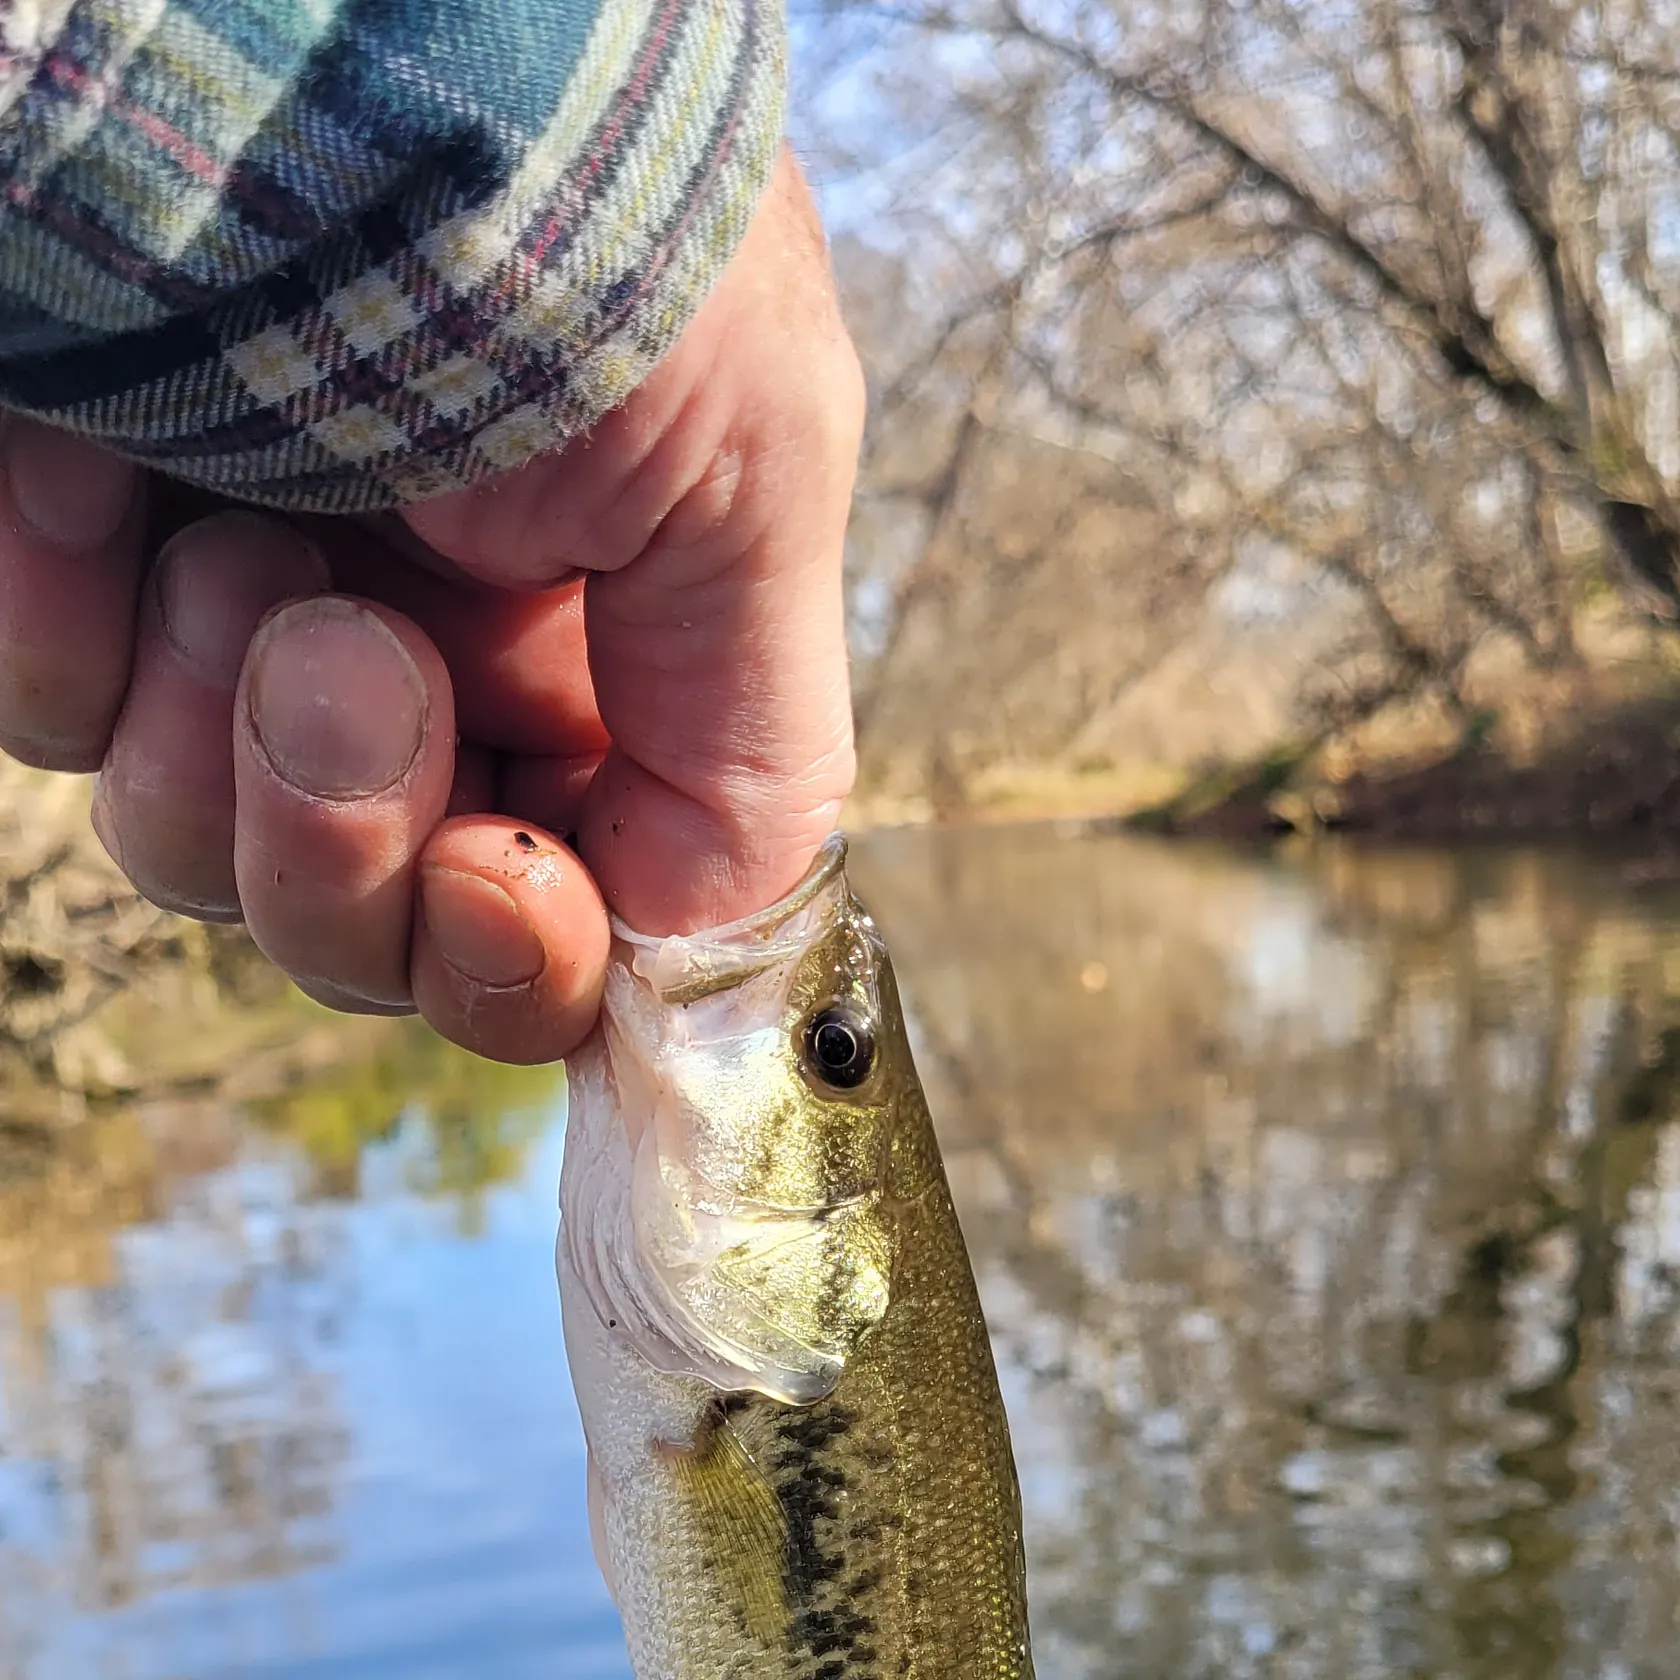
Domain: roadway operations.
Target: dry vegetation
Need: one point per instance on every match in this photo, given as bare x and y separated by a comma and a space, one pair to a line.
102, 994
1246, 371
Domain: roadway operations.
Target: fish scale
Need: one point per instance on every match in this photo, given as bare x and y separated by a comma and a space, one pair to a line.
873, 1531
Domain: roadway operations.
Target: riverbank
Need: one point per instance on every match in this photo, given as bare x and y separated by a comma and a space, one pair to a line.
103, 995
1605, 768
1607, 776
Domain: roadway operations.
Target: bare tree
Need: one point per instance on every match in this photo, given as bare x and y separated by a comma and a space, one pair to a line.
1384, 286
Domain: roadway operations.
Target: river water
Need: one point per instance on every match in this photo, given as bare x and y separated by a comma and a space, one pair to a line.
1325, 1205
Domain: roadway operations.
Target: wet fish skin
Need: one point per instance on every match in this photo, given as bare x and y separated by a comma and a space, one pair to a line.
800, 1463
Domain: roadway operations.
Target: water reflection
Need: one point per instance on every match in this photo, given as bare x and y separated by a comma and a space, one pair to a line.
1326, 1207
189, 1305
1328, 1213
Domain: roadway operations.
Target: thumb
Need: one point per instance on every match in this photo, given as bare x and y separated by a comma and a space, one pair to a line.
710, 512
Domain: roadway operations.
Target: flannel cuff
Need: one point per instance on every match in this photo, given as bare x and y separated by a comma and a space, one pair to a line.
337, 255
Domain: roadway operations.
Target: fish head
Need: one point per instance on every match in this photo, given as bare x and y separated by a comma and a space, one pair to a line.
739, 1102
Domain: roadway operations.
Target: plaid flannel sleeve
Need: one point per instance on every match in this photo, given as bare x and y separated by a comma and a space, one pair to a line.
341, 254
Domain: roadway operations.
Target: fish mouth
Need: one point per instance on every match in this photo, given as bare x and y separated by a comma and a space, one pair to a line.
682, 968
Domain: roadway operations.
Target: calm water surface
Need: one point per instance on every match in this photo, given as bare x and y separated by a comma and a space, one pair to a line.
1326, 1208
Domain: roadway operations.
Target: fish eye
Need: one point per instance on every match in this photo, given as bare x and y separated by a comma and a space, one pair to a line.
840, 1046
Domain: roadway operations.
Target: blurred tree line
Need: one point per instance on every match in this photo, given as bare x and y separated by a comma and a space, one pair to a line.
1338, 334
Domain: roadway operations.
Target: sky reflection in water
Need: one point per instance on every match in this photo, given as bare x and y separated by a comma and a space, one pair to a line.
1327, 1209
294, 1439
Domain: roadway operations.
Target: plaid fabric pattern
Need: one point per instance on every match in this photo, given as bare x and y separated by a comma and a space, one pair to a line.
340, 254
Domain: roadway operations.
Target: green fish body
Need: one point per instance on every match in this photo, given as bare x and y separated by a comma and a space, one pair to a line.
800, 1467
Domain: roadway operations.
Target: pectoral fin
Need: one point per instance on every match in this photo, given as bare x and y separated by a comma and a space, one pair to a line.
743, 1523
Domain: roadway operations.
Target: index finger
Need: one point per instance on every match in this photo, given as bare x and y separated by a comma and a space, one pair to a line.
516, 658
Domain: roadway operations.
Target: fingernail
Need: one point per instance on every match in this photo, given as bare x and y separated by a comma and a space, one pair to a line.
337, 703
216, 579
478, 928
67, 490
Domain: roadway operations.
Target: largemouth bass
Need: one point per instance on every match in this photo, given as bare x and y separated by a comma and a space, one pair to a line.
800, 1467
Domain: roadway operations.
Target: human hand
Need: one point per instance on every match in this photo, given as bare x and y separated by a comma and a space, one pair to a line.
637, 641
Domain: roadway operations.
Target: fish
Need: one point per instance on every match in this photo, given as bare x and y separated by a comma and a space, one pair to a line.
799, 1463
